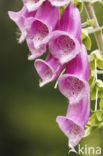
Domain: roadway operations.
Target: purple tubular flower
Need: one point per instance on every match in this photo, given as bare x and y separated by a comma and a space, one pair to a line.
33, 4
59, 3
48, 70
64, 43
76, 118
20, 18
40, 27
73, 84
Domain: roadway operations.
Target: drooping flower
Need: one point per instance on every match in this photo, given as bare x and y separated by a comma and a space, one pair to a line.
73, 84
48, 70
40, 27
64, 43
75, 120
20, 18
33, 4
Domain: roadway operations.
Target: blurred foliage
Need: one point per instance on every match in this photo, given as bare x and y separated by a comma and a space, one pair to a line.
28, 113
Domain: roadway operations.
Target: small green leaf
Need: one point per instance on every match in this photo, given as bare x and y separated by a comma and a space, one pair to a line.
88, 131
91, 63
93, 93
99, 85
86, 39
101, 104
93, 120
99, 115
92, 84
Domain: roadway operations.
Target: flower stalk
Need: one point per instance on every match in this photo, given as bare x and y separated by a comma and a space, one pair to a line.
98, 34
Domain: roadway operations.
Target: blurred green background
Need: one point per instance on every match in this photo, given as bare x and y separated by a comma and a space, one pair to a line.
28, 113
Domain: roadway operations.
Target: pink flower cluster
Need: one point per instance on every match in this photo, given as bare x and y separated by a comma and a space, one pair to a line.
42, 27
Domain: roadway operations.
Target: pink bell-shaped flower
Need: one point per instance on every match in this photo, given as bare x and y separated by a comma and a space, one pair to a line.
64, 42
40, 27
48, 70
73, 84
20, 18
75, 120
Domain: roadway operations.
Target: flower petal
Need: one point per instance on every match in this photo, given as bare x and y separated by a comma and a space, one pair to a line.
79, 65
59, 3
73, 131
43, 24
63, 46
33, 4
71, 21
48, 14
72, 87
79, 111
48, 70
19, 18
76, 118
35, 52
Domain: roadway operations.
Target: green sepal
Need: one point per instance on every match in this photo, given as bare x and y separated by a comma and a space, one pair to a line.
61, 10
99, 115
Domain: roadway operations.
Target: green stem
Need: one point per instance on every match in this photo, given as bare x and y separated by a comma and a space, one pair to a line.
94, 30
98, 36
96, 101
91, 14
